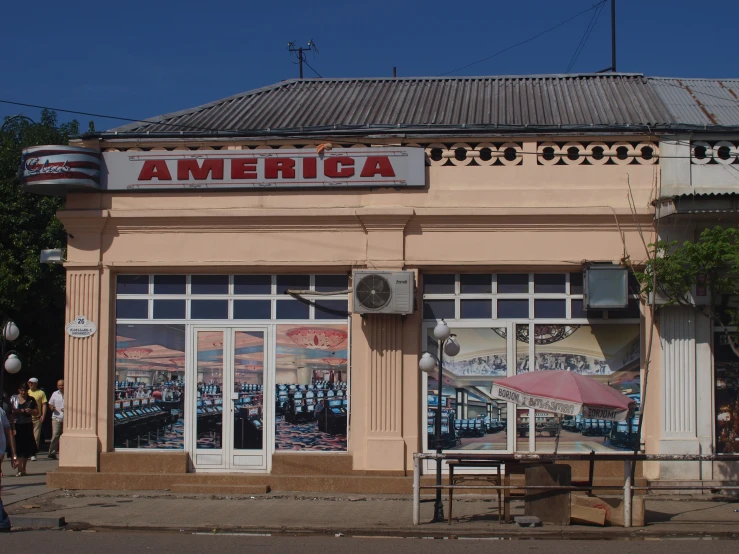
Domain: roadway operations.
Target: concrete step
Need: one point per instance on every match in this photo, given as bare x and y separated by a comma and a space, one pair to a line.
219, 489
355, 484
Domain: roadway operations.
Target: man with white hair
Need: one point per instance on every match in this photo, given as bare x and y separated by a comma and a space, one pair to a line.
56, 402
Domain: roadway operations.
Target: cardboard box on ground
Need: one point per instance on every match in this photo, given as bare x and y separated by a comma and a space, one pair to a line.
612, 510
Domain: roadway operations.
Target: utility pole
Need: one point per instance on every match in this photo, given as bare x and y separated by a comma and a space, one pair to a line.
300, 53
613, 35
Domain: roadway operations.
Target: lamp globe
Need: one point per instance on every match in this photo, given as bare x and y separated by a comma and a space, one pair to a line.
451, 348
13, 364
441, 331
427, 363
11, 331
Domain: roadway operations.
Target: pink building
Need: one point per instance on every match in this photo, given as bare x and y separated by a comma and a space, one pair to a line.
216, 250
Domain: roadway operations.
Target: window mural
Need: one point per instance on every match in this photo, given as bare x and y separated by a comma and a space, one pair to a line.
727, 395
608, 353
473, 420
209, 403
312, 393
149, 386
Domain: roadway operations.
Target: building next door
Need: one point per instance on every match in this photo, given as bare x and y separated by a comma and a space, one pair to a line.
232, 410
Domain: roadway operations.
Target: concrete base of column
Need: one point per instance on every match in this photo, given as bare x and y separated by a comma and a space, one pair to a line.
385, 454
78, 451
679, 470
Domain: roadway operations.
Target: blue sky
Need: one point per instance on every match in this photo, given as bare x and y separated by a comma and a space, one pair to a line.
140, 59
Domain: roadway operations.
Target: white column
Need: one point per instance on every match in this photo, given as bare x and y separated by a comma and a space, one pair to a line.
679, 391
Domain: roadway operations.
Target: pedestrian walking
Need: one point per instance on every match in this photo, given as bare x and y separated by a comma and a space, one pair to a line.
40, 397
56, 402
6, 438
24, 408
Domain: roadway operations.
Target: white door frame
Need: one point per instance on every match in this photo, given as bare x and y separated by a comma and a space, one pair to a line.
228, 459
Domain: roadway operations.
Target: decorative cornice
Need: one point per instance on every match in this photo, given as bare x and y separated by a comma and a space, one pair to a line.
384, 219
368, 219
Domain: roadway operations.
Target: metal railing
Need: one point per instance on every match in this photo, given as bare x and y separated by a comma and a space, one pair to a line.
627, 458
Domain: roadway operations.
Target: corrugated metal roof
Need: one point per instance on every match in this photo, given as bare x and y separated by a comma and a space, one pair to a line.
699, 102
570, 101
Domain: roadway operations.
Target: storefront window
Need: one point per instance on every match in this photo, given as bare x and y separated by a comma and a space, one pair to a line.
209, 284
221, 333
609, 354
312, 392
149, 387
471, 419
604, 345
252, 309
252, 284
210, 378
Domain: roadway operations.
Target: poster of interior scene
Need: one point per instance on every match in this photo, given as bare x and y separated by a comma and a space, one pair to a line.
726, 365
248, 393
149, 386
609, 354
312, 394
470, 418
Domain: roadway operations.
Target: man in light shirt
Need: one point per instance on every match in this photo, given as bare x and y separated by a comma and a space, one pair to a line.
43, 404
56, 402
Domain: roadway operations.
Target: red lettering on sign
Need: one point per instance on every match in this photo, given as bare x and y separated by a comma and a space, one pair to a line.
378, 165
155, 169
309, 168
244, 168
275, 166
332, 167
212, 167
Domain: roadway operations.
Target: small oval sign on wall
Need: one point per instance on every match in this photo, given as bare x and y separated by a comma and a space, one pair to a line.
81, 327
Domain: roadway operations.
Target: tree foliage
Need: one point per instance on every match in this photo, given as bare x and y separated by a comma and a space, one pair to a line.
31, 294
711, 261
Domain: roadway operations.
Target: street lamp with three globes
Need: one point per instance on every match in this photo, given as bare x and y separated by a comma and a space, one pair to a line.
447, 344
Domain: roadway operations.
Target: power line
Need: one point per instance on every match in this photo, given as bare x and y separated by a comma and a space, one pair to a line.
311, 68
584, 39
557, 26
106, 116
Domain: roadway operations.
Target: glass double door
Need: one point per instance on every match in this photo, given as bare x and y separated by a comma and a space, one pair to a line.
231, 406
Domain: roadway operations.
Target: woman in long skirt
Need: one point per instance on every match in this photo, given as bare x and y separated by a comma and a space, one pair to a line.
24, 410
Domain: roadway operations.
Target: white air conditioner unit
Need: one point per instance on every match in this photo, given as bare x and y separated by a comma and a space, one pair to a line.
383, 292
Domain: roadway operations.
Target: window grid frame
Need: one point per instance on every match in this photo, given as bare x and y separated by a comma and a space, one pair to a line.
273, 297
494, 296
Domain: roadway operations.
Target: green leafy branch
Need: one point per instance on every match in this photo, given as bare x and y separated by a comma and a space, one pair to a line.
712, 261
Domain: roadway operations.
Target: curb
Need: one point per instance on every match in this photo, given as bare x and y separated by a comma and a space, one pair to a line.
423, 533
37, 522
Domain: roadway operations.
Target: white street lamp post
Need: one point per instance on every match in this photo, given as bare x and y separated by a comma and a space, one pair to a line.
448, 345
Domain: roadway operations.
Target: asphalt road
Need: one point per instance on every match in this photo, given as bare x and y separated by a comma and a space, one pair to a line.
125, 543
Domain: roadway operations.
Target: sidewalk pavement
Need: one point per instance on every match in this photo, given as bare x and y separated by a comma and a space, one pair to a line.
332, 514
16, 490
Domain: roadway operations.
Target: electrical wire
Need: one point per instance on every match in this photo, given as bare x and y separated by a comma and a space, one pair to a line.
311, 68
557, 26
584, 39
106, 116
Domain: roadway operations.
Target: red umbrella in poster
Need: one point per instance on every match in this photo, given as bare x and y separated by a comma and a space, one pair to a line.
564, 392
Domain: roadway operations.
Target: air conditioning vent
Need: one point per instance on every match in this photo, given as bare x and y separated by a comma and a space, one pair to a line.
373, 291
383, 292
